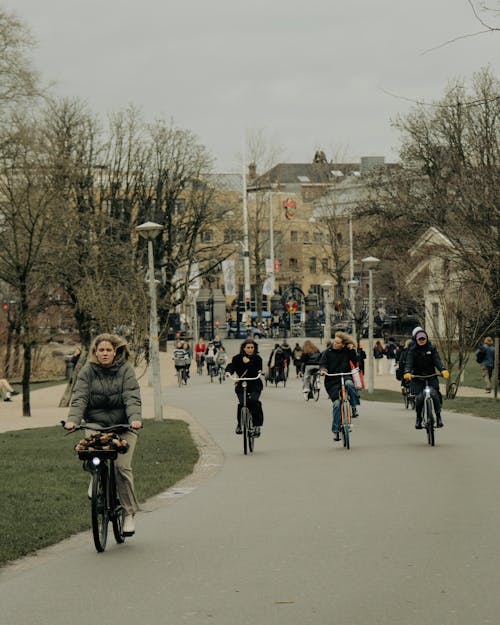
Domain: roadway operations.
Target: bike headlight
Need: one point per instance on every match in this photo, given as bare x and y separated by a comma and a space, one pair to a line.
96, 461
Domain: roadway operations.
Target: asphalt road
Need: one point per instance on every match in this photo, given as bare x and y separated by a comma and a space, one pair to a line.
391, 532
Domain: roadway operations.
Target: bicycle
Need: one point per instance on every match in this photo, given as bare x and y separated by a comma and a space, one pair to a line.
314, 386
212, 370
345, 407
408, 398
428, 421
221, 373
200, 361
182, 376
104, 501
247, 426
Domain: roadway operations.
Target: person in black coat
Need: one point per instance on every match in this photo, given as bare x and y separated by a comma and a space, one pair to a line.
337, 359
248, 364
423, 359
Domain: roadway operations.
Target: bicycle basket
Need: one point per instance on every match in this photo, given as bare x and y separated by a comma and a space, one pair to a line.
102, 441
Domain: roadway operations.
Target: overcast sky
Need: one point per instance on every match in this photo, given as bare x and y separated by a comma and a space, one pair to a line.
311, 74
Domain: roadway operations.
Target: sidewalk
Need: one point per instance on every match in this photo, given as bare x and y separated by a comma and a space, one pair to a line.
45, 411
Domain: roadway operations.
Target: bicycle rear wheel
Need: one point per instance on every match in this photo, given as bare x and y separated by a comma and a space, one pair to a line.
251, 437
117, 512
429, 421
99, 506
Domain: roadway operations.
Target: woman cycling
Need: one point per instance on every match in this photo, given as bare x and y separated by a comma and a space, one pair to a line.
309, 363
337, 359
248, 364
107, 393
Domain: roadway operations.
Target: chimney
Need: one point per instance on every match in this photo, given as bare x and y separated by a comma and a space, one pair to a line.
252, 171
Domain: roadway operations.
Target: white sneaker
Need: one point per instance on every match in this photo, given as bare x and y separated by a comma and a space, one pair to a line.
129, 525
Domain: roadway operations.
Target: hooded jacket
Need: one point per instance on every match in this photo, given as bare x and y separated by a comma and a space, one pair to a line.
106, 396
422, 359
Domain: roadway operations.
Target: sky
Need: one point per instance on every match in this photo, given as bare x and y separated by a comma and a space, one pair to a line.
321, 74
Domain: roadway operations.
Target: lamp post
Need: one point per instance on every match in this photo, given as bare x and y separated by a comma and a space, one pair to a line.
150, 231
327, 285
193, 291
353, 285
370, 262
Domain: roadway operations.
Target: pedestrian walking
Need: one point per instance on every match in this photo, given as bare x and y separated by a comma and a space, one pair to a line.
485, 357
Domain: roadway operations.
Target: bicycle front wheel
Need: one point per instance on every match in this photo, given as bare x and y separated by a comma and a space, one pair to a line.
345, 415
429, 422
406, 398
245, 419
99, 506
316, 389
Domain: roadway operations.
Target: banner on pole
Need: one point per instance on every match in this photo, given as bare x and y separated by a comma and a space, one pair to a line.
229, 273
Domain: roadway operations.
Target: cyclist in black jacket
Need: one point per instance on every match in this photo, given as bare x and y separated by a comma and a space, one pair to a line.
248, 364
423, 359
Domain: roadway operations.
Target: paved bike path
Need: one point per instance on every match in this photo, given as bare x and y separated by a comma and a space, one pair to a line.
390, 532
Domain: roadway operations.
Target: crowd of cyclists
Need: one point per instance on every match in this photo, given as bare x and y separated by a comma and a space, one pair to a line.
106, 392
416, 357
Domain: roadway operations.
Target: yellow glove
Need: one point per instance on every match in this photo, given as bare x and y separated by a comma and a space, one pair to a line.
407, 376
445, 373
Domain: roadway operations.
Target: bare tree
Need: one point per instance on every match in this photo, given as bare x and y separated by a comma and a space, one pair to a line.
26, 216
18, 79
449, 179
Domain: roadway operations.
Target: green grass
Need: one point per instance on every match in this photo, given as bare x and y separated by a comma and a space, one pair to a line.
43, 489
477, 406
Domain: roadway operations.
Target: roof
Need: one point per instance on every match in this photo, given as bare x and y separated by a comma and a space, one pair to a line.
309, 173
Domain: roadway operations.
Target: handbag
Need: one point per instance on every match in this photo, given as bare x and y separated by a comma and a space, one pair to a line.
357, 377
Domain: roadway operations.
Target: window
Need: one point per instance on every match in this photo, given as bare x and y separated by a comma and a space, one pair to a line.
294, 236
230, 235
305, 237
435, 317
312, 265
293, 264
180, 207
207, 236
325, 264
317, 237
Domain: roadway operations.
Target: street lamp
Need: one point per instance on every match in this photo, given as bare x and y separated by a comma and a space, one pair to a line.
353, 285
150, 231
193, 291
370, 262
327, 285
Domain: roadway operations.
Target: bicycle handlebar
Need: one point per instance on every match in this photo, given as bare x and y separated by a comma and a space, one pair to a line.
111, 428
332, 375
424, 377
236, 379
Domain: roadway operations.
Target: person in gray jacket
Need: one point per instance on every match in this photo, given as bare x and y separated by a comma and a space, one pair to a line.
107, 393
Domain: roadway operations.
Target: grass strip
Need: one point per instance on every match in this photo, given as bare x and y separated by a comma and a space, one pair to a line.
477, 406
43, 490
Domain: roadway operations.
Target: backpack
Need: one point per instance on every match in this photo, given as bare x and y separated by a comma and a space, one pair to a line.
480, 355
